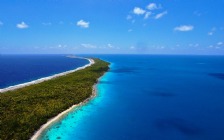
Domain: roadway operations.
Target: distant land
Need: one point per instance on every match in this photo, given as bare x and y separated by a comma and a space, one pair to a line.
24, 110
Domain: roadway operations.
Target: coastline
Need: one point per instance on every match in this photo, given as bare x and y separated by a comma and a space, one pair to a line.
51, 121
10, 88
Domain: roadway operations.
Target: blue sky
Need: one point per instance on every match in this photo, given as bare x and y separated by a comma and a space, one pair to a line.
112, 26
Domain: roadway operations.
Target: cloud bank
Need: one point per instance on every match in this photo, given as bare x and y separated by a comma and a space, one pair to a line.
184, 28
22, 25
138, 11
152, 6
83, 24
160, 15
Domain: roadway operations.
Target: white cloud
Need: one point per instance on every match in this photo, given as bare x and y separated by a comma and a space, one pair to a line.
89, 46
184, 28
212, 31
83, 24
160, 15
22, 25
110, 46
152, 6
138, 11
61, 46
147, 14
194, 45
219, 43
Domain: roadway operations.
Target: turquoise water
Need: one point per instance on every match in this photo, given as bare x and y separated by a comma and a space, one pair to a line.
151, 98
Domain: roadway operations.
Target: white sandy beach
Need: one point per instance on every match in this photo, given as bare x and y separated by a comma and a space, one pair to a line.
38, 133
46, 78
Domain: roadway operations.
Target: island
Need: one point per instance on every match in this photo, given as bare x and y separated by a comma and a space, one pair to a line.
23, 111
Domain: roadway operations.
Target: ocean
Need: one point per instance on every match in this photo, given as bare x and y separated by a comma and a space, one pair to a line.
17, 69
151, 97
141, 97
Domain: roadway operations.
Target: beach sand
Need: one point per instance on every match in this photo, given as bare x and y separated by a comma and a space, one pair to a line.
61, 115
46, 78
51, 121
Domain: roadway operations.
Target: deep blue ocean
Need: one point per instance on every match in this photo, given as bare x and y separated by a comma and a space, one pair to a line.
142, 97
17, 69
151, 97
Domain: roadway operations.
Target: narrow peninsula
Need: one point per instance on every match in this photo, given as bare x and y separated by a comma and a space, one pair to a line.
23, 111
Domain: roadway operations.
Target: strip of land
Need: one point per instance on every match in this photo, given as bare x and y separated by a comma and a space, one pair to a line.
60, 116
23, 111
91, 61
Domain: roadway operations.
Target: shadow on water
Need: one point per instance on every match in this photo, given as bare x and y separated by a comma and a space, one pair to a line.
159, 93
105, 82
163, 94
124, 70
217, 75
179, 124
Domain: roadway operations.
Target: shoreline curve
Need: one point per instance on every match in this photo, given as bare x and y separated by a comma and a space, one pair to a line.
61, 115
40, 80
53, 120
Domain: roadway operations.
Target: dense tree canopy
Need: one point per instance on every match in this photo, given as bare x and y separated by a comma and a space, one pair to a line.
24, 110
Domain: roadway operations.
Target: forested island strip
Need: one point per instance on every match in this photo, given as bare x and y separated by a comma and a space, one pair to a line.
23, 111
91, 61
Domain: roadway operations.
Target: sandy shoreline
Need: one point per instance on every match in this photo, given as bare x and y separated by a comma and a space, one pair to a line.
47, 78
38, 133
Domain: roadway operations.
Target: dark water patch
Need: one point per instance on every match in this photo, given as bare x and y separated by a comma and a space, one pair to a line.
47, 138
58, 138
57, 126
163, 94
124, 70
105, 82
217, 75
159, 93
179, 124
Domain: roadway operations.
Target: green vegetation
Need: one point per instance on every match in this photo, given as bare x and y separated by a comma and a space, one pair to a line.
24, 110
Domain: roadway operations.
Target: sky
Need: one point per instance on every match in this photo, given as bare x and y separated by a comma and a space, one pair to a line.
112, 27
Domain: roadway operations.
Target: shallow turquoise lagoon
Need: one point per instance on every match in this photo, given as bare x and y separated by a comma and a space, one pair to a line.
151, 97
